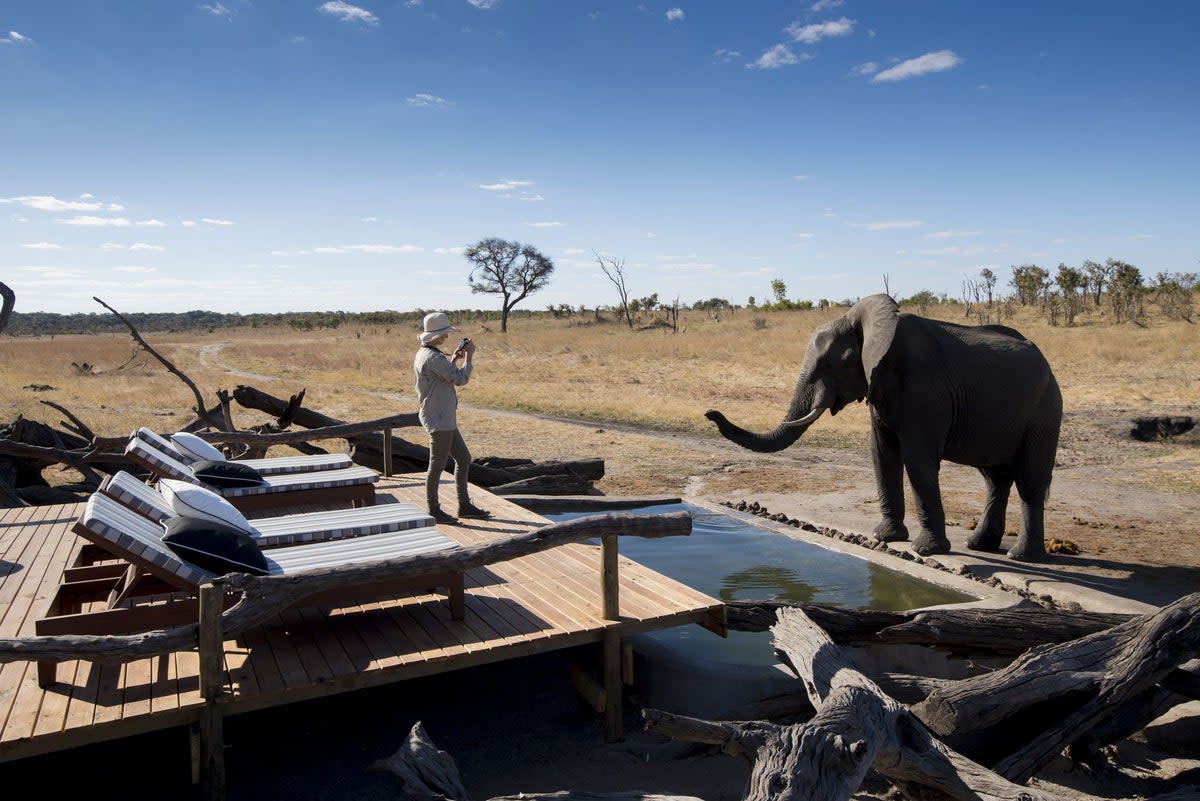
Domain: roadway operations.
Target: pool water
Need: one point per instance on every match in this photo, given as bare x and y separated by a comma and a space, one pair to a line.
732, 559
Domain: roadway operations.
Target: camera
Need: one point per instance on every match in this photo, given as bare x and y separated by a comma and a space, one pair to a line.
462, 343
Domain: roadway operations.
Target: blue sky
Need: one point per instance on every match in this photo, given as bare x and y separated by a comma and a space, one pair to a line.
275, 155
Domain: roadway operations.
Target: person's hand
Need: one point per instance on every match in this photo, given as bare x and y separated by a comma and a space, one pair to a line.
469, 349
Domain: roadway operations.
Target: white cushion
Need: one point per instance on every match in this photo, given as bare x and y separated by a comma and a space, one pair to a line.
195, 447
192, 500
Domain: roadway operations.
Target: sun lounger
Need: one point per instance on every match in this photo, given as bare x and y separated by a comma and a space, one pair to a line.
328, 487
153, 569
287, 530
275, 465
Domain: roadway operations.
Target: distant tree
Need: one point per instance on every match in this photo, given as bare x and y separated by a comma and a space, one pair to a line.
750, 302
1029, 280
1125, 290
987, 280
922, 300
614, 269
1071, 283
779, 290
1097, 278
508, 269
1173, 292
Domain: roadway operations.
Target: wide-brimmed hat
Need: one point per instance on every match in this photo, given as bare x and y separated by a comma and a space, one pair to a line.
437, 323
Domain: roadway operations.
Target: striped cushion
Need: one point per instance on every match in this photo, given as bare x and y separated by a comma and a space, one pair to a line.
168, 467
128, 534
304, 463
283, 530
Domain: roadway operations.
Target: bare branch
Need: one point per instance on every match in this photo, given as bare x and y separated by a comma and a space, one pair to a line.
201, 410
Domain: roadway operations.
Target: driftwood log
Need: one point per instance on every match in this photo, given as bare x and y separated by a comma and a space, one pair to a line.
1077, 685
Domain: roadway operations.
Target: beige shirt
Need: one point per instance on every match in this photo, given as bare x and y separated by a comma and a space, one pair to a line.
436, 379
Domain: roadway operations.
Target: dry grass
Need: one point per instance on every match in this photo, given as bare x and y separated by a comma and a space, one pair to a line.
602, 373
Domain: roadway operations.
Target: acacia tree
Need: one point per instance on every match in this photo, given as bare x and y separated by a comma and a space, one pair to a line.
614, 268
508, 269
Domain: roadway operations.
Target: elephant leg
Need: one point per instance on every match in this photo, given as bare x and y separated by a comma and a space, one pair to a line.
889, 480
990, 530
923, 476
1033, 486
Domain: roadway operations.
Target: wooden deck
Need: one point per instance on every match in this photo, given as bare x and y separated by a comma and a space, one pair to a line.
542, 602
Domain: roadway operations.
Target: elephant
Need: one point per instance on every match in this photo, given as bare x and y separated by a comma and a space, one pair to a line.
982, 396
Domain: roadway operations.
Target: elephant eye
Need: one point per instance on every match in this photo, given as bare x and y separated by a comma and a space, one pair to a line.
778, 783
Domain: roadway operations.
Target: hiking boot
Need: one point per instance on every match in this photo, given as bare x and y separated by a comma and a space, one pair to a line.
442, 517
473, 512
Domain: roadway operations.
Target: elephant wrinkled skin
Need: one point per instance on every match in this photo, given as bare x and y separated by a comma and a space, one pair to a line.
982, 396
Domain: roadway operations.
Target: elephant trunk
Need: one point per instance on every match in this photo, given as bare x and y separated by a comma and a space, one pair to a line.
807, 405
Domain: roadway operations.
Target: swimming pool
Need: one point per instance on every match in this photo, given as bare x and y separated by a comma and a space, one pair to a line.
732, 559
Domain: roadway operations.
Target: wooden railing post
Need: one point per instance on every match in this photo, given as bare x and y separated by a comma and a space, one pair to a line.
212, 685
611, 589
387, 451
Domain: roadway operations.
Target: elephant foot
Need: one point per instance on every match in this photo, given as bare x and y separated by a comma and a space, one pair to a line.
984, 540
1027, 552
929, 545
888, 531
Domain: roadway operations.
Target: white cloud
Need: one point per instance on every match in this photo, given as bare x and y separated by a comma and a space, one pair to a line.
806, 235
811, 34
84, 219
866, 68
215, 221
369, 219
349, 13
505, 186
372, 249
279, 253
455, 251
42, 246
726, 55
188, 223
951, 234
888, 225
135, 269
426, 100
825, 5
573, 251
778, 56
143, 246
486, 5
531, 197
675, 14
546, 224
952, 250
152, 224
218, 10
51, 203
800, 177
939, 61
15, 38
109, 247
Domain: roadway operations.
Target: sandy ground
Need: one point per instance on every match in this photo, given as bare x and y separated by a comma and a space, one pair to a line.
519, 726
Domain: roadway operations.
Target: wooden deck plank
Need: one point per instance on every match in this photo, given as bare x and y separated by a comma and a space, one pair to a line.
524, 606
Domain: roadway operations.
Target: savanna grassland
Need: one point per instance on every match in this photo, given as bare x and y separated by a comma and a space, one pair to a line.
565, 387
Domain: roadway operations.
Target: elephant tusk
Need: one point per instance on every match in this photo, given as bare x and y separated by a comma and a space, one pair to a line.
807, 419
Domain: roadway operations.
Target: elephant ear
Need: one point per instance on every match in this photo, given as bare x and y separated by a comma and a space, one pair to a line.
876, 317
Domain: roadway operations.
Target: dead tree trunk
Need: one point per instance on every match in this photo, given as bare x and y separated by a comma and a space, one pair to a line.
1087, 679
8, 299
